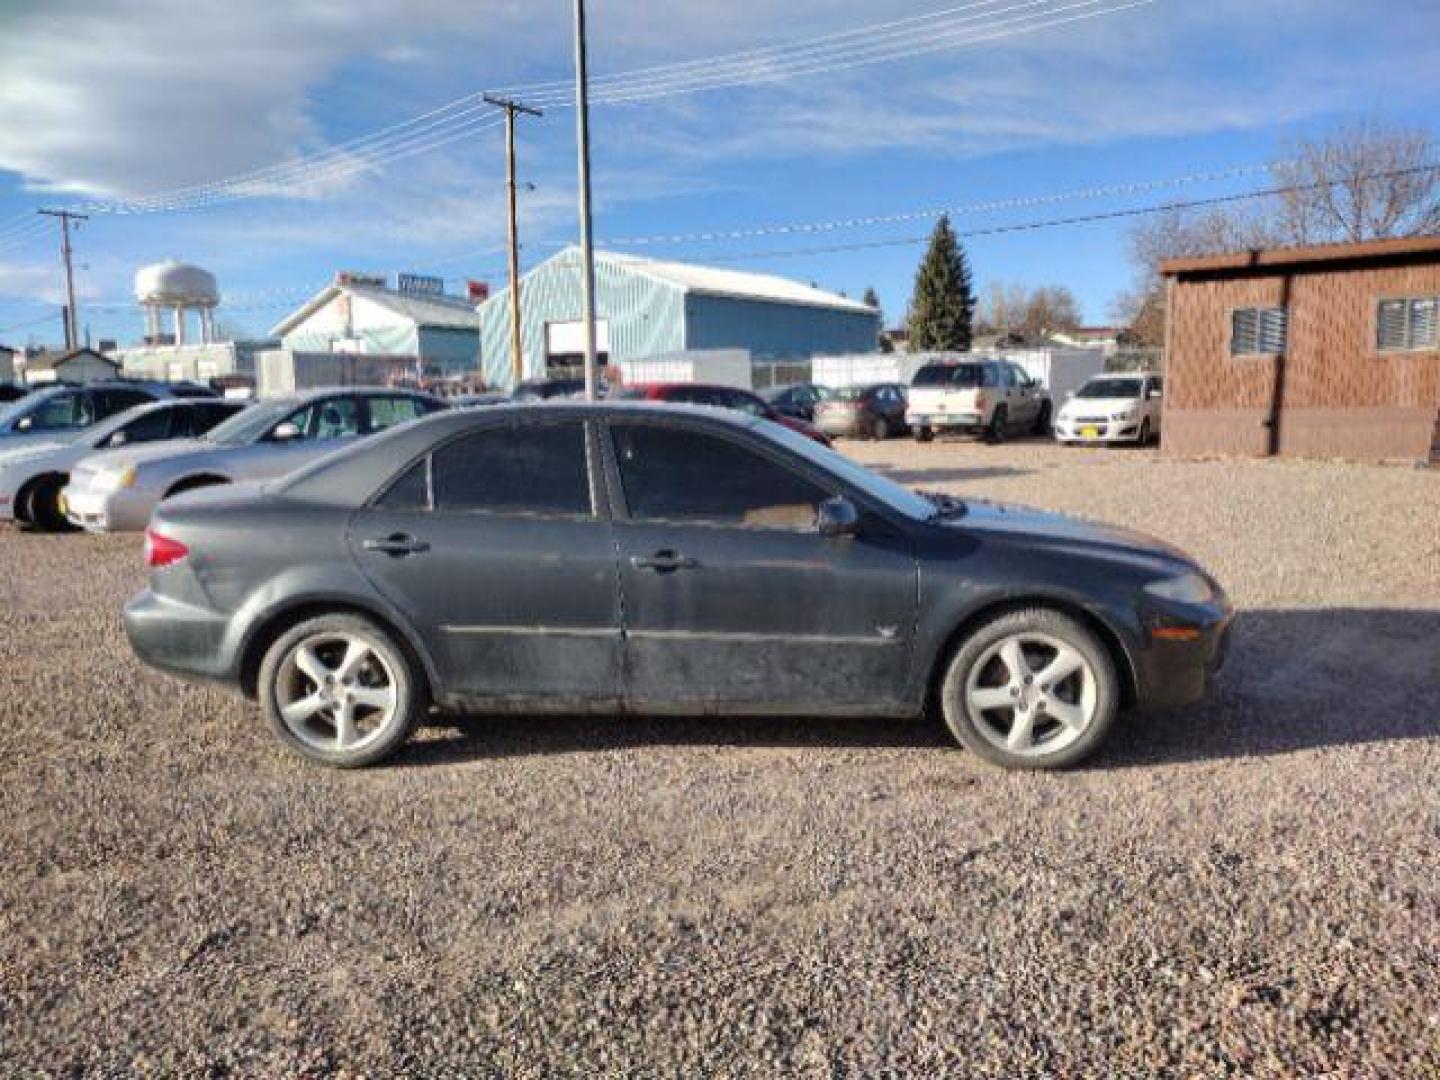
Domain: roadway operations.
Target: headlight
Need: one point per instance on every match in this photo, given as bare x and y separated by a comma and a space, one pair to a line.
1124, 414
120, 478
1186, 589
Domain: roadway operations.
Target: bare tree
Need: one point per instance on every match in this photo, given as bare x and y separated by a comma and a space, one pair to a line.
1365, 182
1007, 308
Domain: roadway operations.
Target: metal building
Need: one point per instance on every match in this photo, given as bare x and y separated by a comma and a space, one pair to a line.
648, 308
360, 314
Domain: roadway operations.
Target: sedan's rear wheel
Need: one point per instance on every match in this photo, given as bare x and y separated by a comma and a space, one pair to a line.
1032, 689
340, 691
43, 510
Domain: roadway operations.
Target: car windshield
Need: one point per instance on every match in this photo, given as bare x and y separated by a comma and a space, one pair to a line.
963, 376
899, 498
1111, 388
249, 424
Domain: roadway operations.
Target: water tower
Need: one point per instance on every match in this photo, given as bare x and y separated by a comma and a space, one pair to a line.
177, 288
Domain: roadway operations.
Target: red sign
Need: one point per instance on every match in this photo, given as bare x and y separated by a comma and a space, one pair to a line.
478, 290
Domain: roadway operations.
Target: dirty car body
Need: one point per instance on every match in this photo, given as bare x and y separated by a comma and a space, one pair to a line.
652, 559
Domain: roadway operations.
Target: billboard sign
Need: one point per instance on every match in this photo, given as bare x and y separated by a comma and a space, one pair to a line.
421, 285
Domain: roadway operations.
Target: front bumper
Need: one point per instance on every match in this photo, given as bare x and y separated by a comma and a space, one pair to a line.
1097, 431
97, 510
1187, 644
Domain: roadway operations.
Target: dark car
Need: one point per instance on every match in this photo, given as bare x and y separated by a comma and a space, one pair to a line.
723, 397
798, 401
876, 411
10, 392
632, 558
546, 389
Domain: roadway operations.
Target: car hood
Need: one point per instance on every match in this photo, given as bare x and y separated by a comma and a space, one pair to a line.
1098, 405
1004, 519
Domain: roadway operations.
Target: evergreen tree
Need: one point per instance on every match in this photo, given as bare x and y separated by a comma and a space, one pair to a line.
942, 313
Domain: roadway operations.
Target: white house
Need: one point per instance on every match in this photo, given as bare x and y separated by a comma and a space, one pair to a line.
77, 366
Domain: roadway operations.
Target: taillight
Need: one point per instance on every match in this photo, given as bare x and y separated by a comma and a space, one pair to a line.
981, 401
161, 550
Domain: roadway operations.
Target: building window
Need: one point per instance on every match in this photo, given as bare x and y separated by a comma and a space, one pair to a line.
1258, 331
1408, 324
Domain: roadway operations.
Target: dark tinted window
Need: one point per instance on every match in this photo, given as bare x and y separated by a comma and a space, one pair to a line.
670, 474
201, 416
958, 376
411, 491
154, 425
110, 402
534, 469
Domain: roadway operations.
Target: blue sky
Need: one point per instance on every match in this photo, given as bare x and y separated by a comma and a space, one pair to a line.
149, 96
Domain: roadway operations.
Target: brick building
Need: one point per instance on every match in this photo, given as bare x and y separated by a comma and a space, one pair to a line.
1327, 351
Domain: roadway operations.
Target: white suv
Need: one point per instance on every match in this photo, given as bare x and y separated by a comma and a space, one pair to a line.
981, 397
1113, 408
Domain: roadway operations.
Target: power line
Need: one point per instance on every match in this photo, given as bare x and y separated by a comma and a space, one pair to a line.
33, 322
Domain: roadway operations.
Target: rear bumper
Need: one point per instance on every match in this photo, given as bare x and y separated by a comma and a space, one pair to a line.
178, 638
958, 421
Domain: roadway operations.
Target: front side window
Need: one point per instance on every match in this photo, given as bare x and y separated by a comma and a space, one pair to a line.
156, 424
1408, 324
62, 411
669, 474
534, 469
334, 418
1258, 331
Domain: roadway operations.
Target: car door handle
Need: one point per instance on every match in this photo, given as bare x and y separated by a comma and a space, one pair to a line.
397, 545
663, 562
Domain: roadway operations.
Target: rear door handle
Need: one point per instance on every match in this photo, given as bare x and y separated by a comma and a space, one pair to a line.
663, 562
397, 545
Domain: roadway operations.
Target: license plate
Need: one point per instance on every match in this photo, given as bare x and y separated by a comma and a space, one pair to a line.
1091, 432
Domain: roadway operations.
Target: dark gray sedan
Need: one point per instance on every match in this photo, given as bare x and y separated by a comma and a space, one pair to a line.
634, 557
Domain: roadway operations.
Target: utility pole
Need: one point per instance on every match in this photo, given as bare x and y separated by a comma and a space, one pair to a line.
517, 356
587, 251
72, 335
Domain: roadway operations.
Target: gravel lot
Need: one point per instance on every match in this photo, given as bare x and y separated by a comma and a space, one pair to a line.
1251, 886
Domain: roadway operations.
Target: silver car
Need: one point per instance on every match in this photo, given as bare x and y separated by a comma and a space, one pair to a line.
34, 472
116, 491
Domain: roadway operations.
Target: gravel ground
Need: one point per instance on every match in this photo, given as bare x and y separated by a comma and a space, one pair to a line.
1248, 887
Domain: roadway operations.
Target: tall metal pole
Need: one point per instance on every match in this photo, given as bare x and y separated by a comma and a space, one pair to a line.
517, 354
72, 325
587, 251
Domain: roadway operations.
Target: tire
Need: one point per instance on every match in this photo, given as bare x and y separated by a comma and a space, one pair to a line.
1144, 436
880, 429
1089, 695
43, 508
1042, 420
922, 433
999, 420
384, 671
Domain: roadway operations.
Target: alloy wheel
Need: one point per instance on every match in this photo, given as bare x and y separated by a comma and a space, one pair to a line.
336, 692
1031, 694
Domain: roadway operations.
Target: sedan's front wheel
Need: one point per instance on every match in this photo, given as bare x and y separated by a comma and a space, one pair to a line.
338, 690
1031, 689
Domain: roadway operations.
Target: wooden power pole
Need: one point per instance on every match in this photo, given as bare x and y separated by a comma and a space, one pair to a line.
511, 107
72, 332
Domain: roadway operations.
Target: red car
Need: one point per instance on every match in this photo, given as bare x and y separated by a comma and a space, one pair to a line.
723, 397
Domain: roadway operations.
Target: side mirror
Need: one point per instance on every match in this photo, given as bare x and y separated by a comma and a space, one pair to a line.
285, 432
118, 439
1156, 395
837, 517
25, 423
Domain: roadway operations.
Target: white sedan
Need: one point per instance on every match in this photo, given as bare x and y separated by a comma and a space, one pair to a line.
32, 475
1112, 408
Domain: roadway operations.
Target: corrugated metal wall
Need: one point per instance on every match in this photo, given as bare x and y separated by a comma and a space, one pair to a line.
646, 317
775, 331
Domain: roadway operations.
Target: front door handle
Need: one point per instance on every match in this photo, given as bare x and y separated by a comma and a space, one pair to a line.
663, 562
396, 545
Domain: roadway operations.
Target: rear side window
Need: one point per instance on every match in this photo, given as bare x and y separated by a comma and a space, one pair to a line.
111, 402
411, 491
535, 469
201, 416
670, 474
154, 425
386, 412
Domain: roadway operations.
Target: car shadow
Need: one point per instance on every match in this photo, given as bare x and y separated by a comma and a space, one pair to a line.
1295, 680
930, 477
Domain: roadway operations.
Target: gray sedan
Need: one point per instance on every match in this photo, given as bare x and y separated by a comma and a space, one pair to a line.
116, 491
649, 558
